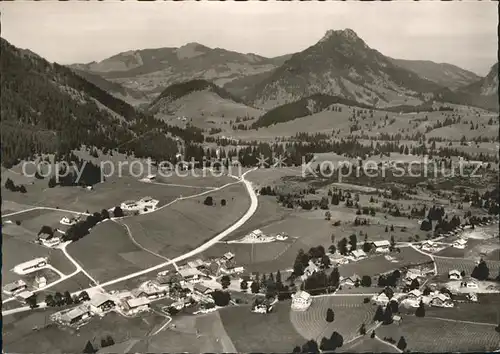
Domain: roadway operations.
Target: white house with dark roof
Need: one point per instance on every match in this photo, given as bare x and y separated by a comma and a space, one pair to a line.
382, 246
100, 303
358, 254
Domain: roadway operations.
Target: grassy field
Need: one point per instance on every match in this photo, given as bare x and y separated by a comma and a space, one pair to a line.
20, 338
251, 332
186, 224
248, 254
15, 251
484, 311
349, 311
32, 221
433, 335
444, 265
77, 282
107, 253
105, 195
367, 345
473, 250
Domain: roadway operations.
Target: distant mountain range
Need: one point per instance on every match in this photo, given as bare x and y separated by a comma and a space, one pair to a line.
151, 70
340, 64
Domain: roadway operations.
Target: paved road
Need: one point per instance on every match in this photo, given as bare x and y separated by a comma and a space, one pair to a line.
251, 210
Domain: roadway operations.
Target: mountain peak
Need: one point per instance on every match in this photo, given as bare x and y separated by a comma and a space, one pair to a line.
346, 33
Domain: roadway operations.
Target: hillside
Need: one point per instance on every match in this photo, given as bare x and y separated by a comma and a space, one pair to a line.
342, 64
482, 93
47, 108
123, 93
151, 70
203, 103
302, 108
444, 74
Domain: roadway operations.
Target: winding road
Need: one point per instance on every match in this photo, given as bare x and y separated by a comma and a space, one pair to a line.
254, 202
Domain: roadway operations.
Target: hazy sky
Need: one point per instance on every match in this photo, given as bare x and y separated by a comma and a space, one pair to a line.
461, 33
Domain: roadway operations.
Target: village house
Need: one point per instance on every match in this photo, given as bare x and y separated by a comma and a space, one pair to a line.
24, 295
414, 294
381, 246
256, 235
136, 305
454, 275
350, 281
151, 289
441, 300
15, 287
69, 220
460, 243
201, 289
428, 246
74, 316
100, 304
40, 282
337, 258
282, 236
228, 256
30, 266
358, 254
197, 263
380, 299
301, 301
49, 240
232, 270
310, 270
190, 275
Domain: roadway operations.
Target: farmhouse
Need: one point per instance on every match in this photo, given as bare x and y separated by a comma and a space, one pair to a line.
358, 254
40, 282
197, 263
256, 234
282, 236
415, 294
310, 270
100, 303
441, 300
350, 281
190, 274
151, 290
201, 289
129, 205
232, 270
337, 258
30, 266
49, 240
228, 256
428, 246
460, 243
135, 305
380, 299
24, 295
301, 301
69, 220
15, 287
381, 246
454, 275
75, 315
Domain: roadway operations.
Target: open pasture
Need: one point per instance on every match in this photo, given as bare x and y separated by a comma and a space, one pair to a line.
252, 332
16, 251
247, 254
269, 176
433, 335
486, 310
268, 212
187, 224
104, 195
52, 339
76, 283
350, 313
444, 265
107, 253
196, 178
474, 249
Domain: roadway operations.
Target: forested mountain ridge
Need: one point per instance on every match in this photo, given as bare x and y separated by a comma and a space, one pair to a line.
47, 108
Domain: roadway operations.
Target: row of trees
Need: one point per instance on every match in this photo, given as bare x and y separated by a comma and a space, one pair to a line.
11, 186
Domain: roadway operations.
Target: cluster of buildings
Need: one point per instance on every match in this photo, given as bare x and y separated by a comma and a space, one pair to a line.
141, 205
99, 305
257, 236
